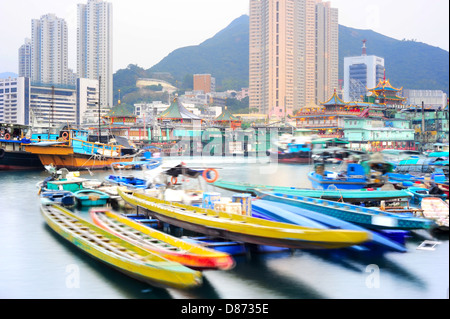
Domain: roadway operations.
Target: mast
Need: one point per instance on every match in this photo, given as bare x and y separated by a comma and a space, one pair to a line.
99, 108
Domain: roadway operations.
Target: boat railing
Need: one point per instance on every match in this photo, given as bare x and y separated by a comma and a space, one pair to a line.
95, 148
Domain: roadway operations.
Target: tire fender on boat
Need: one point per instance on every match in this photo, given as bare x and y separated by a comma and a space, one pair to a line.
2, 153
7, 136
174, 180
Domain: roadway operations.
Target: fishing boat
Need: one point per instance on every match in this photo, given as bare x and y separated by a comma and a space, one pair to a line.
293, 148
366, 217
436, 209
353, 178
77, 149
62, 198
12, 149
172, 248
128, 181
91, 197
420, 193
349, 196
242, 228
127, 258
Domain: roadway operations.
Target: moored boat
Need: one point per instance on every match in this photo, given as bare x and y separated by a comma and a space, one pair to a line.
77, 149
188, 254
13, 155
292, 214
130, 259
91, 197
63, 198
243, 228
358, 195
365, 217
353, 178
128, 181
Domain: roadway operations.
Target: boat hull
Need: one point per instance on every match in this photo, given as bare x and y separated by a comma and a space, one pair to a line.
358, 195
243, 228
318, 182
188, 254
64, 157
20, 160
148, 268
292, 158
365, 217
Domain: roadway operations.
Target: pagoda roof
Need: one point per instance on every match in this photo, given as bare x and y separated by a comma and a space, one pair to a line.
226, 116
120, 111
334, 100
385, 85
178, 111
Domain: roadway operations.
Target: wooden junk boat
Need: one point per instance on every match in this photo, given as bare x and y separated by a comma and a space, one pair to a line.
188, 254
243, 228
126, 257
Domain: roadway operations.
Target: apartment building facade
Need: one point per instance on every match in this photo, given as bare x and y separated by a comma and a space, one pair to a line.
293, 54
49, 50
95, 46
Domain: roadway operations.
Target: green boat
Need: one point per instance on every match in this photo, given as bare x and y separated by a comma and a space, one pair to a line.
349, 196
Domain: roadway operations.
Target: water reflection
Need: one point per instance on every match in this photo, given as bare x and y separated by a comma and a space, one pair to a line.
254, 268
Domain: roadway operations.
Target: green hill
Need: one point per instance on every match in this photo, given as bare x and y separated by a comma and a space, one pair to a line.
409, 64
224, 56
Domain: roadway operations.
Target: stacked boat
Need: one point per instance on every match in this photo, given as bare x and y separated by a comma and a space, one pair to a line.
118, 253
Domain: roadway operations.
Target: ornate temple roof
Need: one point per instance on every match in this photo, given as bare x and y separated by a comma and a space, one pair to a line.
226, 116
334, 101
385, 85
177, 111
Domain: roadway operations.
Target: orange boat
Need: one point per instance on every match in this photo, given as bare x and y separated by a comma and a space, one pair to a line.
75, 149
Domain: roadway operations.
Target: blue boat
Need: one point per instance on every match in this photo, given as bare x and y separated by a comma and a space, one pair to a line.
420, 193
63, 198
354, 178
366, 217
91, 197
128, 181
291, 214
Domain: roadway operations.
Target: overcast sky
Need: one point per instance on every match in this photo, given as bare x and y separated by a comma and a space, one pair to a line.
146, 31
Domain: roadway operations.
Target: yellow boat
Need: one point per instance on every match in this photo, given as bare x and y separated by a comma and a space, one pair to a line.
188, 254
243, 228
130, 259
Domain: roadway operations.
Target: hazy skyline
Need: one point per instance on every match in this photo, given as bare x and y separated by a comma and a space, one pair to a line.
146, 31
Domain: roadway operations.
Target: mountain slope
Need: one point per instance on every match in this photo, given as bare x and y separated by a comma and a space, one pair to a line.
224, 56
409, 64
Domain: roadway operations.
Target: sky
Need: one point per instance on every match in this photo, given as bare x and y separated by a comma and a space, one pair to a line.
146, 31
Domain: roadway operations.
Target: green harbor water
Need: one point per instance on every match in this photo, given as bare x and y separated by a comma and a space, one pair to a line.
35, 263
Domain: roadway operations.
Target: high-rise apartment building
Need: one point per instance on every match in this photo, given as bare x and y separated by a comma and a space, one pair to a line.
25, 59
95, 46
49, 50
293, 54
360, 74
